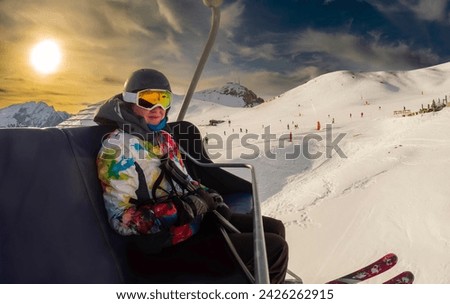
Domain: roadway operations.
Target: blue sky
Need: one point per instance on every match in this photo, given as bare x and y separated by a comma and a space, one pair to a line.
269, 46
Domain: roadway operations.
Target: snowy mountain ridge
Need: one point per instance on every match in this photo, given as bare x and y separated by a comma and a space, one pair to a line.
232, 95
367, 86
228, 97
31, 114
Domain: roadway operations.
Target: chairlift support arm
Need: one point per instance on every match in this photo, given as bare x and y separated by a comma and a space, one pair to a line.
260, 256
214, 5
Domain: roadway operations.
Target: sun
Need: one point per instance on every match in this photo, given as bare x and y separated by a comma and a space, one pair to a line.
46, 56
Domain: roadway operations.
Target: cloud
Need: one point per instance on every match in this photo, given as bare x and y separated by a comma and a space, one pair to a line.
112, 80
290, 59
265, 51
358, 52
435, 10
231, 18
429, 10
104, 41
79, 18
167, 12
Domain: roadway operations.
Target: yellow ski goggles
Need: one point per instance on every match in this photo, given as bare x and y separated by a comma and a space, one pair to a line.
150, 98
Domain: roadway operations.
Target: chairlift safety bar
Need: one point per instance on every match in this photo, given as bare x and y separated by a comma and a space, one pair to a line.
261, 266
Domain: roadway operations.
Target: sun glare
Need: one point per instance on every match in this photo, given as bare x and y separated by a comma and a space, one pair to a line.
46, 56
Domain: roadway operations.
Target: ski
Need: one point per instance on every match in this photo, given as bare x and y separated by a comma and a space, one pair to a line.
383, 264
406, 277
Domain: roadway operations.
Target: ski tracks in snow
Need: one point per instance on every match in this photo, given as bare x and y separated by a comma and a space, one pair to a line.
335, 177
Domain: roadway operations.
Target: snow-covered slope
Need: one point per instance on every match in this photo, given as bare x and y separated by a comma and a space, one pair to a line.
83, 118
31, 114
372, 182
385, 187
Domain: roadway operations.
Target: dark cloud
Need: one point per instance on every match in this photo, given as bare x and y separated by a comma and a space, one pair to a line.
19, 79
58, 93
113, 80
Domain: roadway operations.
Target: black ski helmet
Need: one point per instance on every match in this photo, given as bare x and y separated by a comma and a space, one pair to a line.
146, 79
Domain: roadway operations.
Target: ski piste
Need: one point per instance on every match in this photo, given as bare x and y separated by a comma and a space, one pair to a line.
381, 265
406, 277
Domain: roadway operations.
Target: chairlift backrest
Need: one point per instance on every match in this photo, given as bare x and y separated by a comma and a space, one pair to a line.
54, 224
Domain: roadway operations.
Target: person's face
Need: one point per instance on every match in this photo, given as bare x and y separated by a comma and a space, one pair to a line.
152, 117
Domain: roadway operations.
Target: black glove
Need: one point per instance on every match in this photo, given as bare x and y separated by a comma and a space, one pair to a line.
189, 207
224, 211
211, 200
215, 196
197, 204
220, 207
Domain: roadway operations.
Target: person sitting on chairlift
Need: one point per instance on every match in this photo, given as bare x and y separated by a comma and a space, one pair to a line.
151, 199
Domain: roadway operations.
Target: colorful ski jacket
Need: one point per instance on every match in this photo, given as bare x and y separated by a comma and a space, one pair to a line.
116, 163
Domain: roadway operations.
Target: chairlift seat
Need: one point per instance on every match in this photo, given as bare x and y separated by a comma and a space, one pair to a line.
54, 224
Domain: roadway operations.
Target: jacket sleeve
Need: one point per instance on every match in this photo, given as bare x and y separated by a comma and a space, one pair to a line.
119, 178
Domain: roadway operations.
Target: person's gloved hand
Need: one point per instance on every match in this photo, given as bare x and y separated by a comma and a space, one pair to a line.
215, 196
197, 204
212, 201
189, 207
221, 207
224, 211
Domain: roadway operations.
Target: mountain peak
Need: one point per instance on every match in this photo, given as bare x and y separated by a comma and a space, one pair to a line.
31, 114
231, 94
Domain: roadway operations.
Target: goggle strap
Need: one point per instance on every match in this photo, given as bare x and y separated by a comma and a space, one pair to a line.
129, 97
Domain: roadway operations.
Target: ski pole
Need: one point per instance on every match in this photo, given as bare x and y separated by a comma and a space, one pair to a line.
241, 263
